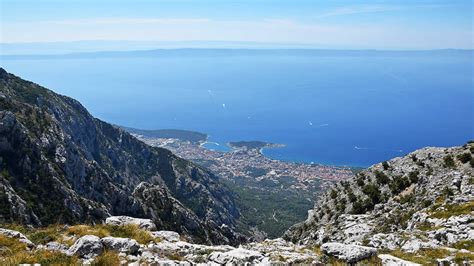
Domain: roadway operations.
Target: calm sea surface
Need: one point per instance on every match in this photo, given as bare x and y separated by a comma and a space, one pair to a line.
344, 110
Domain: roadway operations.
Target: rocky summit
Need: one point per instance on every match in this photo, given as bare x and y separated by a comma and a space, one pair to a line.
60, 165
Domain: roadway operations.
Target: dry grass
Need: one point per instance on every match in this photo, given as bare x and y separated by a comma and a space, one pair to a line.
462, 257
449, 210
465, 244
13, 252
108, 258
423, 256
127, 231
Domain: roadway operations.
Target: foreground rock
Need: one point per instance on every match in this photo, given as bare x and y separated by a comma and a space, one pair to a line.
119, 244
15, 234
86, 247
146, 224
348, 253
169, 236
394, 261
236, 256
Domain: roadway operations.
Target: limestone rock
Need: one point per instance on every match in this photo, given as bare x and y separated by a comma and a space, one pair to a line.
119, 244
86, 247
169, 236
385, 241
236, 256
145, 224
348, 253
390, 260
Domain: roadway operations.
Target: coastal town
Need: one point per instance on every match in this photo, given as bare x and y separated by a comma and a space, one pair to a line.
248, 162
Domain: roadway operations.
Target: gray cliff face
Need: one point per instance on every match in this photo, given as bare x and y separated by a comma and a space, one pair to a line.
58, 164
422, 200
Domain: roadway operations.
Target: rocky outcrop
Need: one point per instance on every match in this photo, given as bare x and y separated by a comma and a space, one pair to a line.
167, 248
169, 236
348, 253
120, 244
422, 201
58, 164
394, 261
86, 247
146, 224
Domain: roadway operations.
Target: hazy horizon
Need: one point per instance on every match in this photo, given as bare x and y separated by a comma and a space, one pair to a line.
341, 24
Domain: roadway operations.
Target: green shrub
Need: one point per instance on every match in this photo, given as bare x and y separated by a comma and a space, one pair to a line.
471, 162
358, 207
398, 184
385, 165
381, 178
449, 161
360, 182
373, 193
333, 194
465, 157
414, 176
351, 197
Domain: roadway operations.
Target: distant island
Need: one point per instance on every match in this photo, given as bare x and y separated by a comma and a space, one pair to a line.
253, 145
184, 135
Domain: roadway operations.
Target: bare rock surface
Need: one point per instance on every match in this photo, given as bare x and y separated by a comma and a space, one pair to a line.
348, 253
88, 246
146, 224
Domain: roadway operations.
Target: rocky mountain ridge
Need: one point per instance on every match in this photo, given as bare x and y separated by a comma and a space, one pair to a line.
416, 204
58, 164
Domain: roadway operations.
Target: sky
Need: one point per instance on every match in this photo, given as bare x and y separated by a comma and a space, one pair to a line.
371, 24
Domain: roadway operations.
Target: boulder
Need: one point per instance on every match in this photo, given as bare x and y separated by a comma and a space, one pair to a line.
348, 253
394, 261
119, 244
145, 224
86, 247
236, 256
169, 236
413, 245
15, 234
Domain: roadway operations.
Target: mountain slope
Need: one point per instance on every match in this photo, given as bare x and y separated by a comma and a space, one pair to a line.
423, 201
61, 165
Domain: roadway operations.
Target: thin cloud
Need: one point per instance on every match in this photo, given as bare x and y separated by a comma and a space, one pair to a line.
352, 10
367, 9
128, 21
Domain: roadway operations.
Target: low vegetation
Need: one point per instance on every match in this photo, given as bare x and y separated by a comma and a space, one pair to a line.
423, 256
13, 252
66, 234
107, 258
448, 210
449, 161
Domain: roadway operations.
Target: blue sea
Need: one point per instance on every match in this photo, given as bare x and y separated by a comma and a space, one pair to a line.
331, 109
